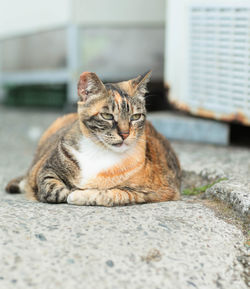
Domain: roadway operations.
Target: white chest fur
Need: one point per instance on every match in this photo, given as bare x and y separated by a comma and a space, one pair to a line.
93, 159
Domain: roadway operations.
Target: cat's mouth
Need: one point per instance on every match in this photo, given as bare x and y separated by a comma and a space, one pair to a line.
119, 144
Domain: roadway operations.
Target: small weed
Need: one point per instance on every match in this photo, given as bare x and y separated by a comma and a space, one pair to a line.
247, 243
202, 189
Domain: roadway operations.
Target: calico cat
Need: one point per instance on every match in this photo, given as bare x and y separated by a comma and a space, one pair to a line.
106, 154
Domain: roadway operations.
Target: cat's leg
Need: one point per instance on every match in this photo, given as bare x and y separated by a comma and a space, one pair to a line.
51, 189
117, 196
110, 197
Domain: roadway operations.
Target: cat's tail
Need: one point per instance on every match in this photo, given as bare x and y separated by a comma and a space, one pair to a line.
15, 185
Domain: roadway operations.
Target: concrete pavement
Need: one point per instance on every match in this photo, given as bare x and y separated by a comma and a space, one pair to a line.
175, 245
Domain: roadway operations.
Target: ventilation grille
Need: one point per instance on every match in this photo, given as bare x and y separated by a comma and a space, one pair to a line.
219, 63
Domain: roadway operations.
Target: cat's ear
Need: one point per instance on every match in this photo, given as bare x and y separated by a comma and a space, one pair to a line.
89, 85
139, 84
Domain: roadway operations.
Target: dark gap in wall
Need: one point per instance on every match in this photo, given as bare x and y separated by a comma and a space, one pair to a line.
239, 135
44, 96
155, 98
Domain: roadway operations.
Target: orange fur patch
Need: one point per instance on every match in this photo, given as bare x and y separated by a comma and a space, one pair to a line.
57, 124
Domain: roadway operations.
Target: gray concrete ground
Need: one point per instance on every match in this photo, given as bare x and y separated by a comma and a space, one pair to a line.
171, 245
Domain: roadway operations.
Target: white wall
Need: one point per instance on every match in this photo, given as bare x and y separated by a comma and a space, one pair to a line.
28, 16
25, 16
126, 12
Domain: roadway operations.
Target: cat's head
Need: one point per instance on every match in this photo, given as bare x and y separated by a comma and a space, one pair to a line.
112, 114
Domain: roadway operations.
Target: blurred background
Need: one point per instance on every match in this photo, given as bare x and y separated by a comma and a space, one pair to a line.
198, 50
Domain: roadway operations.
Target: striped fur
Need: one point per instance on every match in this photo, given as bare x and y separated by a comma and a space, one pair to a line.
105, 154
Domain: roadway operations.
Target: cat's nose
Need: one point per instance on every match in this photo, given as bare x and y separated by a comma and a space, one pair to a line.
124, 134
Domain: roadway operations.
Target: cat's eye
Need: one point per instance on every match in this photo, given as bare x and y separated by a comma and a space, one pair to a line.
107, 116
136, 116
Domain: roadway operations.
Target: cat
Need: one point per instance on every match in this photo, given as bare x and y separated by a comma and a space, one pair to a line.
106, 154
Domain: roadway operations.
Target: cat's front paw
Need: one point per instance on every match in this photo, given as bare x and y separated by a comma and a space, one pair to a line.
80, 198
87, 198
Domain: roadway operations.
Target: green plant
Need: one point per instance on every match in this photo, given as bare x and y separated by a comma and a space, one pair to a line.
202, 189
247, 243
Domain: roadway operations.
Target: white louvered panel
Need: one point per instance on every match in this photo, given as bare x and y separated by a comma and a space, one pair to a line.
219, 58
